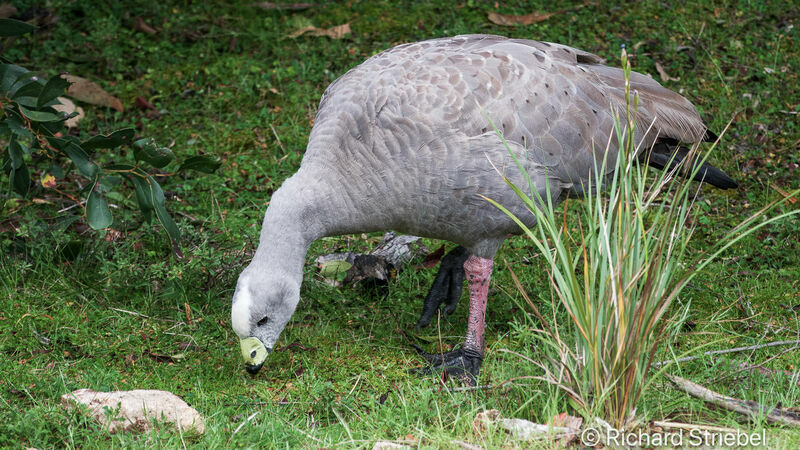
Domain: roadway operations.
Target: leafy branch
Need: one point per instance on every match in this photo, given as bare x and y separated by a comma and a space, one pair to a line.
33, 132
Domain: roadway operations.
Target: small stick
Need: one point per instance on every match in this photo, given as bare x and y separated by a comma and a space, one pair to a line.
471, 388
748, 408
245, 422
180, 433
466, 445
354, 385
134, 313
730, 350
275, 133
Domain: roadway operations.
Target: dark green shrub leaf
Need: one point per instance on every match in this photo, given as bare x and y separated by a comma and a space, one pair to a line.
147, 150
143, 196
23, 80
11, 27
81, 160
61, 143
168, 224
113, 140
15, 153
97, 213
40, 116
31, 89
151, 197
15, 125
52, 89
125, 167
9, 73
201, 164
20, 179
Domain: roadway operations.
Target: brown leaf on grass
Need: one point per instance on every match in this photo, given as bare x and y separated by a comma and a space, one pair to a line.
433, 258
663, 73
90, 92
140, 25
284, 6
336, 32
511, 20
785, 194
7, 10
68, 106
152, 111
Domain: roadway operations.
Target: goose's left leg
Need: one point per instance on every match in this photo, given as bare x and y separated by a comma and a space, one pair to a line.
447, 286
465, 362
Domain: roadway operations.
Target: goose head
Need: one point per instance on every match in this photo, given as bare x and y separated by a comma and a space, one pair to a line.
262, 306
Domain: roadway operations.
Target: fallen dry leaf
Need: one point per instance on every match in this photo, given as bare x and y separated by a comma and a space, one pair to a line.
432, 258
663, 73
336, 32
140, 25
68, 106
283, 6
152, 111
785, 194
527, 19
7, 10
48, 181
90, 92
512, 20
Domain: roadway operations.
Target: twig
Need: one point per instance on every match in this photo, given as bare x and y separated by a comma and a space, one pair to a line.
134, 313
246, 421
180, 433
748, 408
472, 388
275, 133
691, 426
74, 205
466, 445
354, 385
730, 350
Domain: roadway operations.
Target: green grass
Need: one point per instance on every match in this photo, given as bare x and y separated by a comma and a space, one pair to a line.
225, 75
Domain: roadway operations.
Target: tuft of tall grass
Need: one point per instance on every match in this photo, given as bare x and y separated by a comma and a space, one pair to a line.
617, 284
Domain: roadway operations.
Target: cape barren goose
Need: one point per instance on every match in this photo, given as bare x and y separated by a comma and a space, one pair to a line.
401, 142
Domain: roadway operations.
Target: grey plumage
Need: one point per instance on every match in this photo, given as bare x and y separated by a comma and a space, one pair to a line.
402, 142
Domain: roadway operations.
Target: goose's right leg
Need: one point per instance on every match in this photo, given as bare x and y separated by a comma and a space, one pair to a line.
447, 286
465, 363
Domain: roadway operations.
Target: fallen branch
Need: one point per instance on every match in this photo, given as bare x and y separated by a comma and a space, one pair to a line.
730, 350
748, 408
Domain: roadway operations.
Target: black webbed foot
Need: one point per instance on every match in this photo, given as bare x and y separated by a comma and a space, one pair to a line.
447, 286
463, 364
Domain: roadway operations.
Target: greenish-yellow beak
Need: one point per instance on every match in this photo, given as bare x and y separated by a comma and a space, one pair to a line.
254, 353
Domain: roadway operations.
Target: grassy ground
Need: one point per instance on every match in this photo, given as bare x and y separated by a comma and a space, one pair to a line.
230, 83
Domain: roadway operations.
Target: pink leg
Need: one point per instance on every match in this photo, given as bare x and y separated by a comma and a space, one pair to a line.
478, 271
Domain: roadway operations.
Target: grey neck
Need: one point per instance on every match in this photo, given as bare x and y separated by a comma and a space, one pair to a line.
290, 226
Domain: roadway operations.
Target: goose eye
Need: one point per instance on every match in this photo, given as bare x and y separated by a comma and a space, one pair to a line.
263, 321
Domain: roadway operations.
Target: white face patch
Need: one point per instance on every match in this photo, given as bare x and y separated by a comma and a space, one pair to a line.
240, 311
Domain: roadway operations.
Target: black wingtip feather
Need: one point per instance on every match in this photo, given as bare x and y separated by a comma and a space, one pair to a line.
662, 156
710, 136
